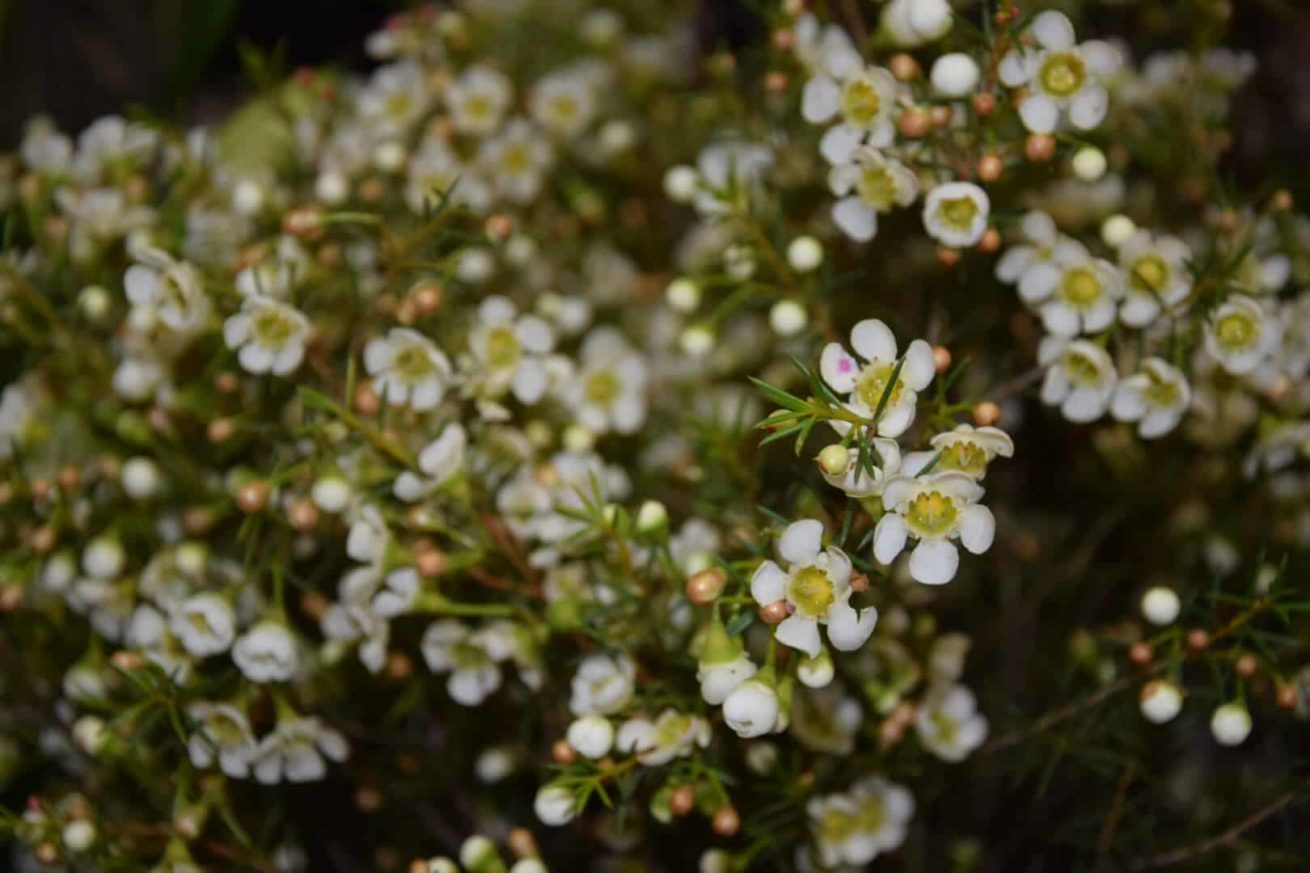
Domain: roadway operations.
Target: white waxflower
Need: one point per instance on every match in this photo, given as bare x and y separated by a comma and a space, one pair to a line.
554, 805
731, 171
817, 589
671, 735
436, 172
1231, 724
440, 461
450, 647
478, 99
869, 184
514, 160
1161, 605
866, 383
854, 827
934, 509
722, 666
1161, 701
848, 474
511, 349
866, 103
956, 214
267, 653
1073, 292
298, 750
564, 102
608, 391
948, 723
603, 685
1080, 378
592, 736
752, 709
828, 53
1156, 397
1064, 79
278, 275
966, 449
205, 624
352, 621
1241, 335
954, 75
1041, 241
1156, 276
222, 734
394, 99
268, 336
166, 289
407, 368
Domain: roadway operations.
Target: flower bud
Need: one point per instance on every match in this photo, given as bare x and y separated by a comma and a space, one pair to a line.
652, 517
592, 736
553, 805
751, 710
1160, 606
479, 854
697, 340
804, 254
954, 75
1231, 724
79, 835
331, 493
834, 459
816, 672
787, 318
681, 183
140, 478
1089, 164
1116, 230
704, 587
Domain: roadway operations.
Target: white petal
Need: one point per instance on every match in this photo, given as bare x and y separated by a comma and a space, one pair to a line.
530, 382
1089, 106
409, 487
820, 100
1128, 404
919, 366
897, 419
1101, 57
535, 334
873, 340
1038, 281
255, 358
1014, 69
934, 562
800, 633
855, 219
840, 143
1060, 318
847, 629
1039, 227
838, 368
769, 584
1053, 30
1083, 405
141, 284
1039, 113
1139, 310
1158, 422
889, 538
977, 528
801, 541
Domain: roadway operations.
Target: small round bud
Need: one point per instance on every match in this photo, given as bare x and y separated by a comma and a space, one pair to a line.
682, 800
984, 104
775, 82
220, 430
904, 67
521, 842
787, 318
79, 835
947, 256
1089, 164
804, 254
1198, 640
774, 613
990, 167
562, 753
1116, 230
578, 438
331, 493
859, 582
332, 188
986, 414
954, 75
1140, 654
726, 820
1039, 148
990, 241
1161, 700
592, 736
140, 478
1160, 606
247, 197
697, 340
834, 459
252, 496
94, 302
703, 588
427, 298
366, 400
914, 123
682, 295
1246, 666
303, 515
1286, 697
389, 156
681, 183
1281, 201
499, 226
1231, 724
652, 517
941, 359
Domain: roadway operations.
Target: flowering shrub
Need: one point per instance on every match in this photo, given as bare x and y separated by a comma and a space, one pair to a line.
567, 445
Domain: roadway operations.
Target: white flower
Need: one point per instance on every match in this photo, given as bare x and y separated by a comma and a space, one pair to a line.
78, 835
1160, 606
222, 734
436, 172
609, 390
966, 449
1080, 378
1064, 78
1074, 292
267, 653
275, 276
511, 349
298, 750
1240, 335
166, 289
671, 735
866, 384
1157, 279
514, 160
351, 621
205, 624
140, 478
866, 102
869, 184
856, 826
956, 214
730, 173
1231, 724
554, 805
269, 336
948, 723
831, 57
450, 647
407, 368
854, 478
592, 736
1161, 701
1042, 240
752, 709
816, 587
564, 102
478, 99
441, 460
1155, 397
394, 99
935, 509
954, 75
103, 557
603, 685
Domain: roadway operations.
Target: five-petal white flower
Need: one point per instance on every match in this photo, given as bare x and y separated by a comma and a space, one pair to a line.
934, 509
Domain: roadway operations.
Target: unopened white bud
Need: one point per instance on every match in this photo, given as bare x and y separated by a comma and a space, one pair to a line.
1117, 229
697, 340
140, 478
553, 805
1160, 606
682, 295
652, 517
578, 438
681, 183
751, 709
1161, 701
954, 75
248, 197
103, 558
787, 318
835, 459
762, 757
591, 736
90, 733
79, 835
804, 254
1231, 724
1089, 164
331, 188
331, 493
94, 301
389, 157
816, 672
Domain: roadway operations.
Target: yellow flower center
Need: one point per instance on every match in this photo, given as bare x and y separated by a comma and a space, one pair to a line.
516, 159
1062, 74
836, 826
413, 363
1082, 369
1161, 393
602, 387
948, 729
967, 457
1149, 274
272, 327
1081, 287
860, 102
876, 187
958, 213
1236, 330
398, 105
872, 385
811, 591
931, 515
503, 351
872, 816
